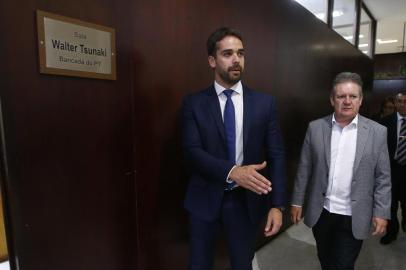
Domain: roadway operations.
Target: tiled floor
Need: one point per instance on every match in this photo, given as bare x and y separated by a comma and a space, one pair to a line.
4, 266
295, 249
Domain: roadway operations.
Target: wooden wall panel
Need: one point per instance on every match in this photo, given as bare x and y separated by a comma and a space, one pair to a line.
68, 147
391, 64
71, 142
390, 78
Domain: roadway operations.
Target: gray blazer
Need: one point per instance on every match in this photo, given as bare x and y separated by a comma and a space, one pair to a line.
371, 184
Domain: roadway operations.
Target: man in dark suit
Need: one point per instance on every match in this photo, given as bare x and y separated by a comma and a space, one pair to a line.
396, 125
343, 178
233, 148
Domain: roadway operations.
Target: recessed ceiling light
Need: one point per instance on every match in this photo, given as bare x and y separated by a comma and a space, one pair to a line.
381, 41
338, 13
366, 52
363, 45
320, 16
350, 37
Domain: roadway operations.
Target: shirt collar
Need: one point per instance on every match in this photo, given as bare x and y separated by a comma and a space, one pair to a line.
354, 121
236, 87
400, 117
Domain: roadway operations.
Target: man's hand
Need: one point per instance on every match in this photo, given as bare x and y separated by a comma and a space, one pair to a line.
296, 214
274, 222
248, 177
379, 225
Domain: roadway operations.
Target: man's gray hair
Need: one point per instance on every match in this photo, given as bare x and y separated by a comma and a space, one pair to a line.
344, 77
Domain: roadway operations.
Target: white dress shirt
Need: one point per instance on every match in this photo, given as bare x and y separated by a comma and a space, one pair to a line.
237, 98
343, 147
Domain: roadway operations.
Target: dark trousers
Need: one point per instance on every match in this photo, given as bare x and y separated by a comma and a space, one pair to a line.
337, 248
398, 197
237, 227
393, 223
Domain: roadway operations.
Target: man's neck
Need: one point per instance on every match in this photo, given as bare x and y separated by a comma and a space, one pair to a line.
343, 122
223, 84
226, 85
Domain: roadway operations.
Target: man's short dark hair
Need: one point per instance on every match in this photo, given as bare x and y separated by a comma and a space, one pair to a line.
400, 94
344, 77
218, 35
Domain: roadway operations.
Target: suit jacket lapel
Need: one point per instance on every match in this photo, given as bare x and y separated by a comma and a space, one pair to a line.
327, 139
247, 105
214, 107
394, 122
362, 137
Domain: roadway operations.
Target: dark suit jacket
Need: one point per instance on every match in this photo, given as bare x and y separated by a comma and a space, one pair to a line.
205, 151
390, 122
397, 171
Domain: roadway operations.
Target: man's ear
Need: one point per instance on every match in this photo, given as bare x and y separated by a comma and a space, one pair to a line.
332, 101
212, 61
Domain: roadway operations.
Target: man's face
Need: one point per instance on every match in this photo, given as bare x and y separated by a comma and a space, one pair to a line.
388, 108
346, 101
228, 64
400, 104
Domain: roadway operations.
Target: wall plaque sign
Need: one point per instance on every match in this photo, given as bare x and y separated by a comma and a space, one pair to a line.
71, 47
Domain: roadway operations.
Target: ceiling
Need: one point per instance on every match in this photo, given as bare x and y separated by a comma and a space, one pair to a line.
390, 16
391, 20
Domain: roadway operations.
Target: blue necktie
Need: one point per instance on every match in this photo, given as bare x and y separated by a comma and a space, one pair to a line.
229, 125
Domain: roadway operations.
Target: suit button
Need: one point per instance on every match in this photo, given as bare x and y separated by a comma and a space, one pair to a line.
324, 194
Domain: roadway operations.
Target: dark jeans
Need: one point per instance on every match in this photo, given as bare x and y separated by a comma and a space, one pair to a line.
337, 248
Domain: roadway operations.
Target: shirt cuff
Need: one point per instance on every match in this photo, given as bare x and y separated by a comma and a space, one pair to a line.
296, 205
228, 180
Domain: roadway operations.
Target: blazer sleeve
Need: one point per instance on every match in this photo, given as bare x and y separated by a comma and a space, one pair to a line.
303, 172
382, 187
198, 160
276, 158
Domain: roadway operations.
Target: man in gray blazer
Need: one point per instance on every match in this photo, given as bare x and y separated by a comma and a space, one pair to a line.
343, 179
